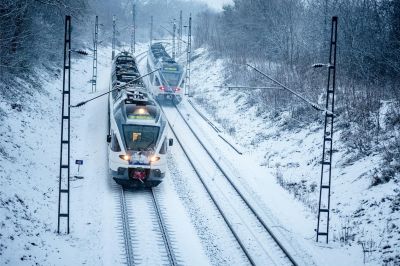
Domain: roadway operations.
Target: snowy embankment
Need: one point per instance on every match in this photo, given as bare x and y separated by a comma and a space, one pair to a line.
30, 168
364, 218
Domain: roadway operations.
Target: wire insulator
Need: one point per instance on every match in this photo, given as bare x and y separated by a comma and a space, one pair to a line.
82, 52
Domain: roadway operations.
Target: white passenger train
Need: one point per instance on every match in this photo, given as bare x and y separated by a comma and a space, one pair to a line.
168, 82
138, 130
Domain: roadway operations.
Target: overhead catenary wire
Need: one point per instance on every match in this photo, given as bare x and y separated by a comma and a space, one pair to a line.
109, 35
117, 88
245, 87
314, 105
170, 32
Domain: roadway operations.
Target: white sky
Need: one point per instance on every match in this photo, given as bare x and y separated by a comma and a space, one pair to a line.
216, 4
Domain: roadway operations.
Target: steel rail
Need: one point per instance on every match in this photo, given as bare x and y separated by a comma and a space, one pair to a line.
214, 127
264, 225
230, 144
140, 54
230, 226
130, 261
163, 228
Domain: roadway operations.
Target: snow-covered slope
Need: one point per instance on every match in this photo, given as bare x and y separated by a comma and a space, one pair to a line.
29, 173
365, 219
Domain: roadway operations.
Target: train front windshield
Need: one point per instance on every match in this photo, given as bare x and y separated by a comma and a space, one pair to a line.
140, 138
172, 78
125, 60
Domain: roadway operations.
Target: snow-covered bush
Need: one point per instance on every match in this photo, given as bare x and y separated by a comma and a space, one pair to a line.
301, 189
346, 232
390, 167
31, 34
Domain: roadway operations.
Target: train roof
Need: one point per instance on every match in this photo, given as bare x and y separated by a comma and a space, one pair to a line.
126, 70
124, 59
137, 107
160, 54
124, 55
157, 45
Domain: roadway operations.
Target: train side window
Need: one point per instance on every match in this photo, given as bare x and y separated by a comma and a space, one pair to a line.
114, 143
157, 82
164, 147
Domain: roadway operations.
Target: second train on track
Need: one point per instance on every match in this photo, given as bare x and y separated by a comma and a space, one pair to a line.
168, 82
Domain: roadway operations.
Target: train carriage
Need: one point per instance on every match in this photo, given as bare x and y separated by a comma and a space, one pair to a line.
137, 137
168, 82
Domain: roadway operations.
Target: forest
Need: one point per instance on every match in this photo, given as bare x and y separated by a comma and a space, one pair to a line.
285, 38
30, 29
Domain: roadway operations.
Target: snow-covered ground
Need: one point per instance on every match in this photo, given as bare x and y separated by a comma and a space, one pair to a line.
29, 158
29, 176
362, 215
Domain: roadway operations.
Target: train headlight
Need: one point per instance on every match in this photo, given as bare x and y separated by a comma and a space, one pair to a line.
154, 159
125, 157
162, 88
177, 89
141, 111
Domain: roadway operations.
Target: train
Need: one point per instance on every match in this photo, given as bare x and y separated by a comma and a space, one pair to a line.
138, 131
168, 82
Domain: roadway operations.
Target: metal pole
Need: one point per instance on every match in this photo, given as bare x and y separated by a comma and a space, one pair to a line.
69, 116
180, 33
327, 148
95, 38
188, 58
151, 29
113, 39
173, 39
65, 138
133, 36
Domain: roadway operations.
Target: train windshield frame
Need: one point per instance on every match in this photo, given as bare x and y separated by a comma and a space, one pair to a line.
172, 78
140, 137
123, 59
147, 112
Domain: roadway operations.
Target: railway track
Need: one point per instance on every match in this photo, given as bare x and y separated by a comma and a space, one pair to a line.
214, 127
145, 233
139, 57
258, 243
